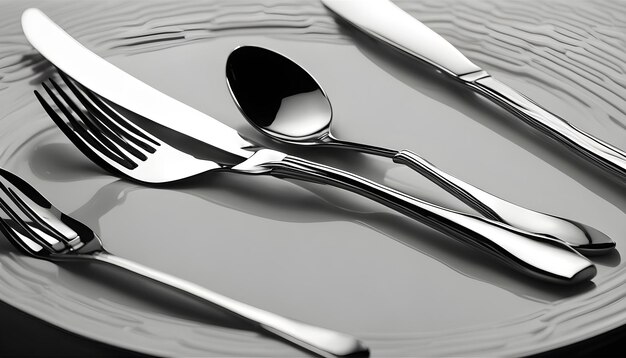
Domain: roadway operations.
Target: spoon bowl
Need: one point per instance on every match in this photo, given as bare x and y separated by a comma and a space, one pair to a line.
278, 97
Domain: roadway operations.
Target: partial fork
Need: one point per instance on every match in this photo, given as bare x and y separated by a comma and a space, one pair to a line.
101, 131
39, 229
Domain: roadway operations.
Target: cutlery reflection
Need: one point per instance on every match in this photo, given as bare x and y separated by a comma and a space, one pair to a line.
388, 23
106, 97
280, 99
38, 228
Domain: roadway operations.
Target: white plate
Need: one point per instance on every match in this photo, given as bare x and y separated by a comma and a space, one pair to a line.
309, 252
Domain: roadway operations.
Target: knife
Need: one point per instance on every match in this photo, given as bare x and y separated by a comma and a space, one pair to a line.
387, 22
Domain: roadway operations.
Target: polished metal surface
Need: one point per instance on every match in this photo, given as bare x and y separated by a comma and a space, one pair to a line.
603, 154
283, 101
41, 230
373, 254
387, 22
104, 133
536, 255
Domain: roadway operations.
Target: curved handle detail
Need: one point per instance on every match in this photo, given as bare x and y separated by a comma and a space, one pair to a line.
322, 341
536, 255
579, 236
601, 153
460, 189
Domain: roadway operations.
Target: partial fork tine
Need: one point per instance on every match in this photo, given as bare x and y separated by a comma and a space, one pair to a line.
84, 130
49, 225
105, 118
104, 137
117, 118
41, 222
51, 240
24, 242
102, 133
83, 140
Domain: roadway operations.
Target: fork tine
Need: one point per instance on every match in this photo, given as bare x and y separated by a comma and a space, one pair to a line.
98, 117
81, 142
19, 240
106, 137
120, 119
41, 220
82, 139
83, 130
109, 116
51, 243
48, 226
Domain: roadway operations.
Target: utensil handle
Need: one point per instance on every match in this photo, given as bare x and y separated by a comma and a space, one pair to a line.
322, 341
577, 235
539, 256
603, 154
481, 201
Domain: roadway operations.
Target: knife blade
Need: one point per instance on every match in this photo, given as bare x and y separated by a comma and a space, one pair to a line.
109, 81
387, 22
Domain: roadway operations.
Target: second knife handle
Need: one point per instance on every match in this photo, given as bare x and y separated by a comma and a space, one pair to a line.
601, 153
536, 255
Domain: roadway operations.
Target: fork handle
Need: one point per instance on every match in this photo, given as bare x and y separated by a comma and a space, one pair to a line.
537, 255
322, 341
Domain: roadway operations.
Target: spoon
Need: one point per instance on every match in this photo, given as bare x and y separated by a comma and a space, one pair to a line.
283, 101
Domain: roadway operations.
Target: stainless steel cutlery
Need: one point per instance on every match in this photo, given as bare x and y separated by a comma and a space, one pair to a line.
106, 96
283, 101
388, 23
134, 131
41, 230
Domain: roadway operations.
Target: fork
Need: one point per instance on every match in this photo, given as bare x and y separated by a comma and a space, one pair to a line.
102, 131
41, 230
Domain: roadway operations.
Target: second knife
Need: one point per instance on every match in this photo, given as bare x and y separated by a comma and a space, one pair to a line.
387, 22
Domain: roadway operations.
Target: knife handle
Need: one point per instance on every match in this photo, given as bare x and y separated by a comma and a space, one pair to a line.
603, 154
536, 255
322, 341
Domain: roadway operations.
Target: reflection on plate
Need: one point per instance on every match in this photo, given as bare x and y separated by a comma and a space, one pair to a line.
310, 252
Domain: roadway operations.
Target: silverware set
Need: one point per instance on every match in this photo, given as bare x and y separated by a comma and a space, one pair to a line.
118, 122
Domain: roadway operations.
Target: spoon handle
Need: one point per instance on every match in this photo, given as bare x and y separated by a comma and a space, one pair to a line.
536, 255
577, 235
